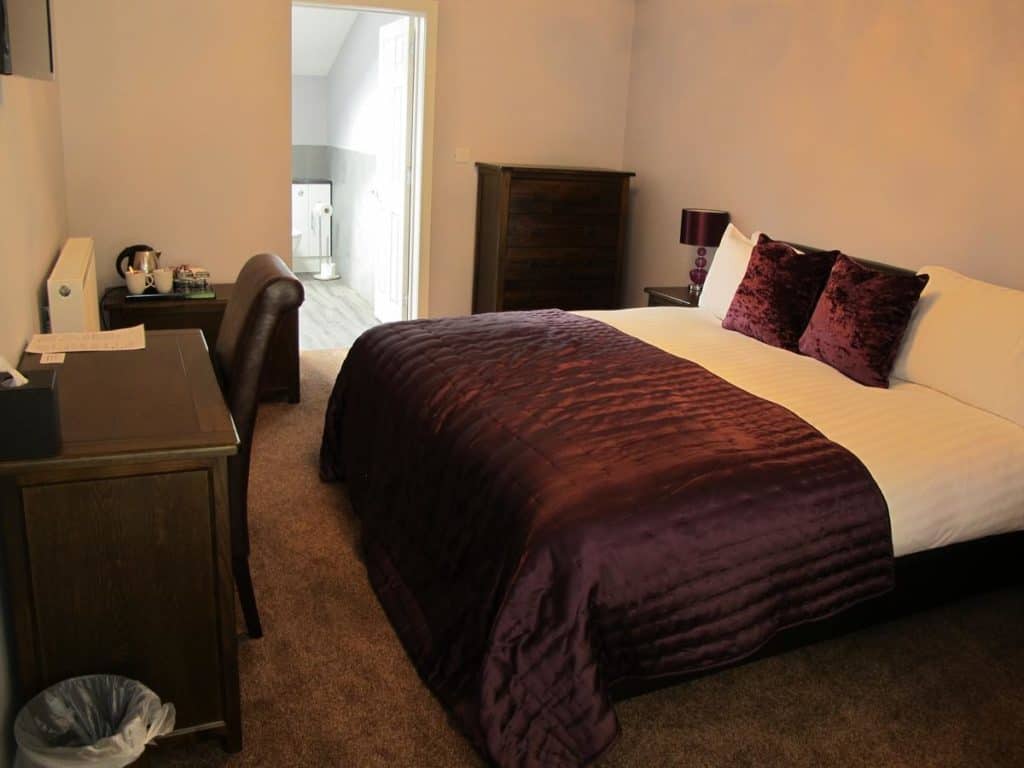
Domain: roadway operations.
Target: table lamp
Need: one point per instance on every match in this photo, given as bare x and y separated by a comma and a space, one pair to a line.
704, 228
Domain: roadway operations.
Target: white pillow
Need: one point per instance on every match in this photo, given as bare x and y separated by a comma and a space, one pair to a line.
726, 271
966, 339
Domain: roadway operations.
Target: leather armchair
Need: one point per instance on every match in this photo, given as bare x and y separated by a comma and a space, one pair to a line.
264, 292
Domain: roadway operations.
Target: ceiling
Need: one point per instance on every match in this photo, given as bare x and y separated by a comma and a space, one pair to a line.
317, 36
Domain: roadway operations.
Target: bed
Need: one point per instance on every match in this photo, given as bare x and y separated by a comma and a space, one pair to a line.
560, 509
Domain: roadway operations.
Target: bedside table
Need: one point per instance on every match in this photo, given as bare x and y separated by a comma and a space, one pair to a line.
672, 296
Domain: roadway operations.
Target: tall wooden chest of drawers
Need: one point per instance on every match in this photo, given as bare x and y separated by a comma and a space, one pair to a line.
549, 237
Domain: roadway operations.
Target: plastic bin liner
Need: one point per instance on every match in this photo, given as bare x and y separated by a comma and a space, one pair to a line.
103, 721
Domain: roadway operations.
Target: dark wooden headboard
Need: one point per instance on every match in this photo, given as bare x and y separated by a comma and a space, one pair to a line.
886, 268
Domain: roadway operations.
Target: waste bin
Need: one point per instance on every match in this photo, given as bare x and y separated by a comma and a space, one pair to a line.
103, 721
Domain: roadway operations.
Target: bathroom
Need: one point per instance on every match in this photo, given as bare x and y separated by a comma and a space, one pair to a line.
340, 126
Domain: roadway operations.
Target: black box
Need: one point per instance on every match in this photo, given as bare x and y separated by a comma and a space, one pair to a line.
30, 418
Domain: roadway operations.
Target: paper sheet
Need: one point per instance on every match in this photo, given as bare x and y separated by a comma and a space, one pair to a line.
89, 341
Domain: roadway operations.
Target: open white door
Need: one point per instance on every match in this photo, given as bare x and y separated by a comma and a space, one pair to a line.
394, 169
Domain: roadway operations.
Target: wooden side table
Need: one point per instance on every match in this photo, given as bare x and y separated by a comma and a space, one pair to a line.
672, 296
281, 374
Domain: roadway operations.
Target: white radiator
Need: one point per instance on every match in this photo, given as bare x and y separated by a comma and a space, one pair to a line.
71, 288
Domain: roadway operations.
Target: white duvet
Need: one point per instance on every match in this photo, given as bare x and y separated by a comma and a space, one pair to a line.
949, 472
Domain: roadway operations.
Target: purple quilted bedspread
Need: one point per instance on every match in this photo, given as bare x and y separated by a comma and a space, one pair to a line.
550, 506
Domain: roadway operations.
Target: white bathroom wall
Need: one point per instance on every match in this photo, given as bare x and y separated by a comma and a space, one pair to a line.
352, 128
309, 110
352, 87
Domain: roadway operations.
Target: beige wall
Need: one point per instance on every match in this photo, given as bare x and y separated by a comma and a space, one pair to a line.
884, 128
531, 81
177, 127
32, 216
177, 119
32, 227
890, 129
309, 111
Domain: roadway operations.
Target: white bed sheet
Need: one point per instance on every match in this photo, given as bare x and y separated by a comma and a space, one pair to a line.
949, 472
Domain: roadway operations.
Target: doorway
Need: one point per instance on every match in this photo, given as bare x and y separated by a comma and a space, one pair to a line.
362, 93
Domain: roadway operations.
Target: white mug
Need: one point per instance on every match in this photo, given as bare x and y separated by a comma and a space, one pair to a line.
163, 279
138, 282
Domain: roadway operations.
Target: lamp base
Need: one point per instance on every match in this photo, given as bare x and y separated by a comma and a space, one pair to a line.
699, 272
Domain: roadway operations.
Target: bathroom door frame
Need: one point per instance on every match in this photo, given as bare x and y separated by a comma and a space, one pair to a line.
424, 15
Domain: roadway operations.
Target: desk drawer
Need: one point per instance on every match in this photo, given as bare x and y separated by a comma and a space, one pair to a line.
208, 322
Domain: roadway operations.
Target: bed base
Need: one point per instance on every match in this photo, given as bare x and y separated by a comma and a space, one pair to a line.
924, 580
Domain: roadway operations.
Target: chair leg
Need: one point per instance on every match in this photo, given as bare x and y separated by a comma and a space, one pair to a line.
247, 597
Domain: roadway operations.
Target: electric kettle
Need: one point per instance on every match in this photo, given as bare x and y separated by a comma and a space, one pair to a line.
139, 258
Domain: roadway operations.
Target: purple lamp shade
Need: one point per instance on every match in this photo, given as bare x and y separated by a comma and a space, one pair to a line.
702, 227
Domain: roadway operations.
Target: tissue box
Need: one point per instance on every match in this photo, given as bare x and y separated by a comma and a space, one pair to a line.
30, 418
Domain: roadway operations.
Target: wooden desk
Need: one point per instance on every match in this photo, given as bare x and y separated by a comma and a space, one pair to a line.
281, 372
118, 550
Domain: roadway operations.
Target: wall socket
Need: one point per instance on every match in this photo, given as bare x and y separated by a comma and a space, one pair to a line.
463, 155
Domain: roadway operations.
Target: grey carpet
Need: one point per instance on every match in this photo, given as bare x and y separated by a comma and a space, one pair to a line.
329, 684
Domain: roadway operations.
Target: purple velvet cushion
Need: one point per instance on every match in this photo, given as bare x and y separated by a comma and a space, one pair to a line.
777, 295
860, 319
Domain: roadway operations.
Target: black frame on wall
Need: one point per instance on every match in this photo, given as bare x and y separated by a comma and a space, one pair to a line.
5, 41
26, 39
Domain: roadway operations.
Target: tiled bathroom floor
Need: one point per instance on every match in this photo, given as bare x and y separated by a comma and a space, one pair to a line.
333, 315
